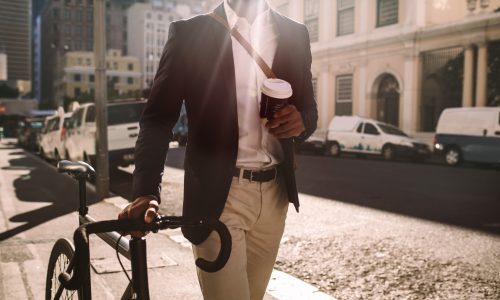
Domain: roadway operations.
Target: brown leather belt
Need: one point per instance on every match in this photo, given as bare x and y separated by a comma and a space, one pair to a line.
258, 176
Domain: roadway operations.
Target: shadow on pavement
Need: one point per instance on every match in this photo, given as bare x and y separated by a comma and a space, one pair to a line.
42, 184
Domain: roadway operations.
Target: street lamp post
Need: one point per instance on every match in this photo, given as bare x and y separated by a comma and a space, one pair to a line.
102, 180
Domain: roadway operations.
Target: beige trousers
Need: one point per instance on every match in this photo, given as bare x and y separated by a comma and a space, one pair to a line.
255, 215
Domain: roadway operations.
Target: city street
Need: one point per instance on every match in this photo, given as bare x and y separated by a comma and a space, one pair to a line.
370, 229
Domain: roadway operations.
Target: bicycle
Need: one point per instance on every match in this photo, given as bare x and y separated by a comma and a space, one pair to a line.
68, 274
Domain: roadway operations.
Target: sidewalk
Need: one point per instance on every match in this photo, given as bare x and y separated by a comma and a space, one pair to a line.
38, 206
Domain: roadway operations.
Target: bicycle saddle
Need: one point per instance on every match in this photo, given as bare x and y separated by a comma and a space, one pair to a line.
75, 169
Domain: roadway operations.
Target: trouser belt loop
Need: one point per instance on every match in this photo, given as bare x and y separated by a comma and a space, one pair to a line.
241, 175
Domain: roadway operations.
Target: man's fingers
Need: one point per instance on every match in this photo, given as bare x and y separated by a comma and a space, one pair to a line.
289, 109
150, 215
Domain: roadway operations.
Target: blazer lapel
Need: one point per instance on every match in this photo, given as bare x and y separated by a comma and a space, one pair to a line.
280, 57
222, 39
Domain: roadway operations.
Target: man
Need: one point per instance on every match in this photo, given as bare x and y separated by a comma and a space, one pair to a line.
237, 168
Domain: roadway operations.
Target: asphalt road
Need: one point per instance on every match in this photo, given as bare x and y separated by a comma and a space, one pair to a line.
466, 196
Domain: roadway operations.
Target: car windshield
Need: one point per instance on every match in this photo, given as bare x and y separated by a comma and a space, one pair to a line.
391, 129
119, 113
125, 113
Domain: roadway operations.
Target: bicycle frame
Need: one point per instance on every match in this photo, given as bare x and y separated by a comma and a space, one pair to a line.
77, 275
134, 249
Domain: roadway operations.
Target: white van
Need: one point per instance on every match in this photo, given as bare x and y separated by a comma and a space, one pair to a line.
366, 136
123, 129
52, 136
468, 134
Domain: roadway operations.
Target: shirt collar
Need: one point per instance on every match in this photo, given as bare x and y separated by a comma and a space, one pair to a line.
232, 17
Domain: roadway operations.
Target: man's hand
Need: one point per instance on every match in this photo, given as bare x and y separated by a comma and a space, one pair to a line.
145, 207
287, 123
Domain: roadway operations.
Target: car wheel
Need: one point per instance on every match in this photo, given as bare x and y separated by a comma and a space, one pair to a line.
57, 157
388, 152
333, 149
452, 156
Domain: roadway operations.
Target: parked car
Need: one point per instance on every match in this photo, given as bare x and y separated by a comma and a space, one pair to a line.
366, 136
468, 134
29, 129
123, 129
52, 136
180, 130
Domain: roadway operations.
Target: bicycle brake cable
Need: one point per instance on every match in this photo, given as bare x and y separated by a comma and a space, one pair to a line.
121, 264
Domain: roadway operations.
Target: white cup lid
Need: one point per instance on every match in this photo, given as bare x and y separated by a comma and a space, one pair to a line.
277, 88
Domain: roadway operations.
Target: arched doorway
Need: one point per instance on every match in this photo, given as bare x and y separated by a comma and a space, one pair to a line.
387, 107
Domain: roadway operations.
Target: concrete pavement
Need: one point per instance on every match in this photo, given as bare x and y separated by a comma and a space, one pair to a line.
38, 206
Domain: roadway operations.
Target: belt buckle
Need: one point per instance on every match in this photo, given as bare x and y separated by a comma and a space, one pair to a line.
251, 176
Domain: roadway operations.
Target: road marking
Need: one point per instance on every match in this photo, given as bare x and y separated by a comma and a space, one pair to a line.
286, 287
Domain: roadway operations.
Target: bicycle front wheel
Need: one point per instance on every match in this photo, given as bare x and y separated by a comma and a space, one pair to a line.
60, 259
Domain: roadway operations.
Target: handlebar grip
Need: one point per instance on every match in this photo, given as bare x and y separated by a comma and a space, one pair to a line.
225, 247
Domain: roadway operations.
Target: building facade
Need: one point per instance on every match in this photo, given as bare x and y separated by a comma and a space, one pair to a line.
147, 27
400, 61
123, 74
68, 25
15, 38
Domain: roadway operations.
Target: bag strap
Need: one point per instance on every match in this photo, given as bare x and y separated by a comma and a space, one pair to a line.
246, 45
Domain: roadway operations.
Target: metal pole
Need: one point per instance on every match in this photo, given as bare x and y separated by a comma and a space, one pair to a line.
102, 176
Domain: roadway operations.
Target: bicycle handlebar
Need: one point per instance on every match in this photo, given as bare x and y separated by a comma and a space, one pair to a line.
82, 257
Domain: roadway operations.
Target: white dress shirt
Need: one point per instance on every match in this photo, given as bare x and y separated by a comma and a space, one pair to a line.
257, 148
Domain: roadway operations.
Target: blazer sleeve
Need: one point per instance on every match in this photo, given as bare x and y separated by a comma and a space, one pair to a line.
158, 118
308, 108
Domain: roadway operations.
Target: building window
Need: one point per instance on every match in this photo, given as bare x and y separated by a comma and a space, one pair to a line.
311, 17
78, 15
115, 65
343, 96
345, 17
55, 13
90, 15
78, 45
91, 78
387, 12
90, 46
160, 17
148, 16
130, 80
78, 92
67, 14
67, 29
130, 67
89, 61
78, 30
67, 1
90, 31
79, 61
77, 77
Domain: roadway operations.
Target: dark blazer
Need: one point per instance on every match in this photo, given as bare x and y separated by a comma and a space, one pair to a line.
197, 67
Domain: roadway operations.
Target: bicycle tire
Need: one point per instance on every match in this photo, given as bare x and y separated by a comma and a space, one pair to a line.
60, 257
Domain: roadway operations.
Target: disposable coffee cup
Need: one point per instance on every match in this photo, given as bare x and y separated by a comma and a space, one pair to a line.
275, 95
